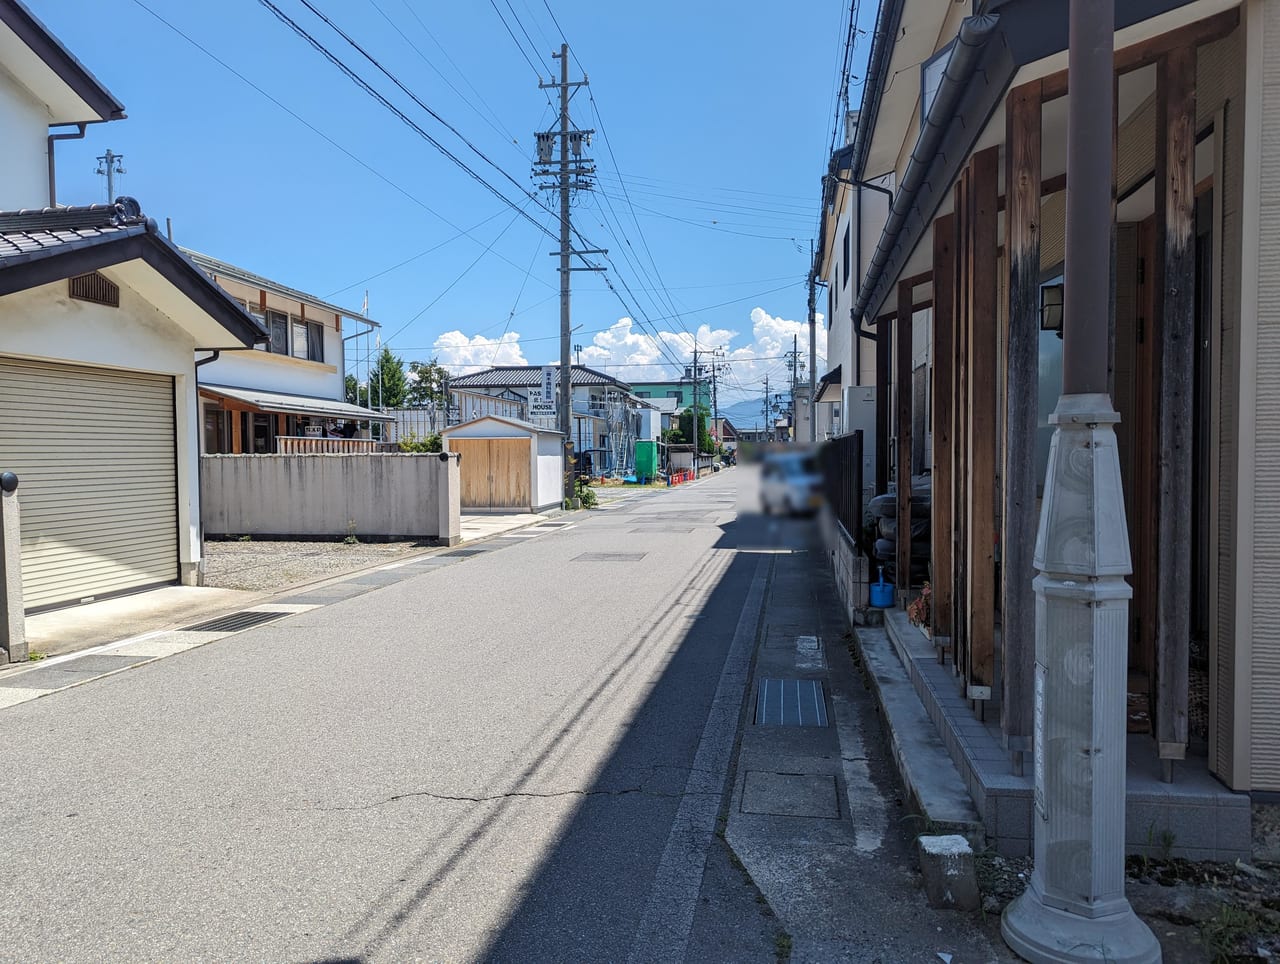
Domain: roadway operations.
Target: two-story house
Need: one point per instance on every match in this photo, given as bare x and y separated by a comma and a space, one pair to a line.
101, 318
287, 394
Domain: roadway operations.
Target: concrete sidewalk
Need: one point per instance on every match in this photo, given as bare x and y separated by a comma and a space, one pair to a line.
817, 815
79, 628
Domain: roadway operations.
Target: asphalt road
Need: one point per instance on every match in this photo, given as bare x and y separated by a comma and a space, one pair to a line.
521, 757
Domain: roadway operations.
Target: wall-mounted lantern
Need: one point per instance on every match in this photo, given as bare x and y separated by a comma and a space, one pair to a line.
1051, 308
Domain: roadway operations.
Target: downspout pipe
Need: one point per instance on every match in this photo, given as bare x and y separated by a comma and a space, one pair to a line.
81, 127
857, 258
972, 38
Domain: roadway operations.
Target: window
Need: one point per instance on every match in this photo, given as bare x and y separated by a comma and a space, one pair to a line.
846, 255
278, 327
931, 74
315, 342
308, 340
291, 336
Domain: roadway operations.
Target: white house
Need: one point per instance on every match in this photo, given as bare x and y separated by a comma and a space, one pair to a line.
100, 321
606, 420
287, 393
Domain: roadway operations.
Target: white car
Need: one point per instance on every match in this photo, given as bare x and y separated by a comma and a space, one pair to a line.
790, 483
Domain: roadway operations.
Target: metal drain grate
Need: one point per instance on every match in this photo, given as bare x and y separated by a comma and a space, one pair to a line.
609, 557
461, 553
234, 622
791, 702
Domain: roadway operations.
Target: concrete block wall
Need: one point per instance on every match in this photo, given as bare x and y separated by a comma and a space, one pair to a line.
369, 496
1194, 817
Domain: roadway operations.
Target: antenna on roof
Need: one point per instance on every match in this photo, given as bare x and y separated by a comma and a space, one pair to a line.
110, 165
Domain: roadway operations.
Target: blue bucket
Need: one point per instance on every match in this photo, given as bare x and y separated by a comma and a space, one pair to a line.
882, 593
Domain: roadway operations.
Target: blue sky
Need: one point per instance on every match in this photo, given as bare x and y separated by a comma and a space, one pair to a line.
716, 121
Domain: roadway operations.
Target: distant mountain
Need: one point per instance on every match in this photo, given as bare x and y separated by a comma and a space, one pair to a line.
745, 414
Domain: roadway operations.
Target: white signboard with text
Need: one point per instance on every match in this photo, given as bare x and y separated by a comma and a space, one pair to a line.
542, 401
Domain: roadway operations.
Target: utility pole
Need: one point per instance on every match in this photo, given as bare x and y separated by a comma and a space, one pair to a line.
1074, 908
695, 406
793, 359
570, 173
716, 368
813, 348
110, 165
765, 410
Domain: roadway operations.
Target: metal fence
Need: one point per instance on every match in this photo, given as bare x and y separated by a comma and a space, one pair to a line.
840, 460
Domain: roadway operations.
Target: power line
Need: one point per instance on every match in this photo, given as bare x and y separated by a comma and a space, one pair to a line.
516, 304
532, 65
412, 258
311, 127
465, 272
496, 123
408, 121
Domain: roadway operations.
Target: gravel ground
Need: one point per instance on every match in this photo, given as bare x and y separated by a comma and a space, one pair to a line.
1199, 911
262, 566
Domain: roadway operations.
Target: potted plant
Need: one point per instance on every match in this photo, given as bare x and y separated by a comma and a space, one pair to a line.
919, 610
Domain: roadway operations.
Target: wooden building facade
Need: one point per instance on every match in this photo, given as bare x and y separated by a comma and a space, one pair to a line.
972, 253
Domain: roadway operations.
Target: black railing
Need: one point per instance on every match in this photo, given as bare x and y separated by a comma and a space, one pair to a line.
840, 459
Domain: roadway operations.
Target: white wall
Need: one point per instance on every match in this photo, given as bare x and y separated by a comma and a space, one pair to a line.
375, 496
24, 163
549, 474
45, 323
280, 373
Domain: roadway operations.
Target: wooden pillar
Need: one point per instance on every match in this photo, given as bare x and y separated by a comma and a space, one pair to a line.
983, 372
960, 435
884, 345
282, 424
237, 433
1021, 520
941, 400
1175, 306
902, 398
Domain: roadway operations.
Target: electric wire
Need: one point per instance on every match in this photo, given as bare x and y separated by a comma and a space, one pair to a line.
315, 130
495, 124
450, 286
408, 121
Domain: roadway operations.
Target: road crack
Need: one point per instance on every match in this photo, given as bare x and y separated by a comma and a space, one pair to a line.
510, 795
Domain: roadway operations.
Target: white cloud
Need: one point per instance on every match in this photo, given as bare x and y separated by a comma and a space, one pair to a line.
631, 353
456, 350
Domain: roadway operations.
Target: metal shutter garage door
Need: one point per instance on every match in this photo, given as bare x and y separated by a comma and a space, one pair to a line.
94, 450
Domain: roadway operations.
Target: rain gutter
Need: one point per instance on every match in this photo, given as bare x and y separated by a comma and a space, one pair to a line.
971, 41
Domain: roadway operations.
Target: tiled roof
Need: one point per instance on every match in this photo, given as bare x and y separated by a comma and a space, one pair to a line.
41, 246
222, 269
29, 233
530, 376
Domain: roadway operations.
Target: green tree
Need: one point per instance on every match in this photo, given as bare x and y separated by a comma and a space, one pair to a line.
428, 384
703, 436
388, 385
356, 393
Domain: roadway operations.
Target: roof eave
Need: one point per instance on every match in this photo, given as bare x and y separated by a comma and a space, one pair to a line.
141, 242
61, 61
977, 75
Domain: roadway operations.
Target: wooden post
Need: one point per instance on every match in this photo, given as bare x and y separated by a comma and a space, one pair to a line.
944, 283
1175, 305
983, 372
1021, 520
902, 396
884, 345
237, 433
960, 435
